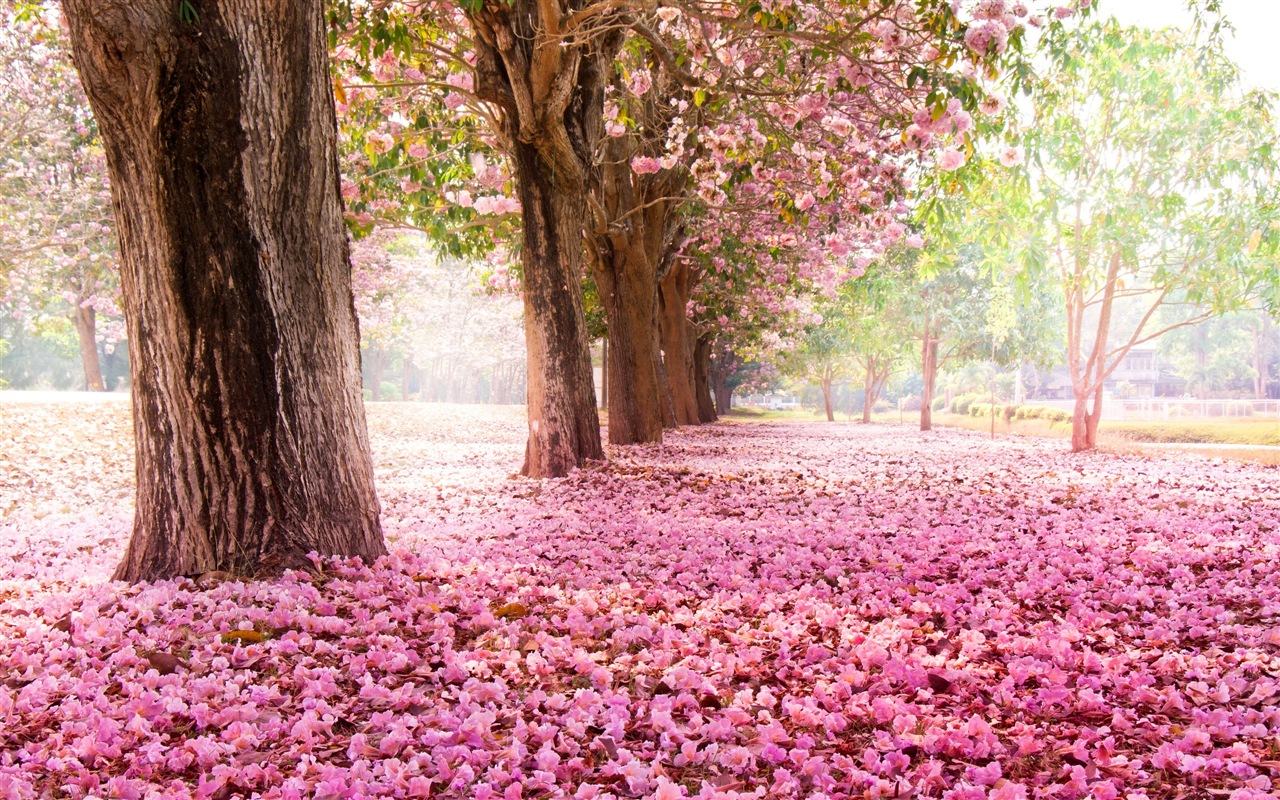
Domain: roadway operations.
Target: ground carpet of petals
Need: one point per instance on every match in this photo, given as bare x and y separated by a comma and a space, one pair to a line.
750, 610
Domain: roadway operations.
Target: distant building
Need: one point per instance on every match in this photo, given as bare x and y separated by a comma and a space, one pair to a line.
1140, 371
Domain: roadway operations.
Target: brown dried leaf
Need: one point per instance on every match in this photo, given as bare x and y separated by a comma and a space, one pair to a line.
511, 611
242, 637
165, 663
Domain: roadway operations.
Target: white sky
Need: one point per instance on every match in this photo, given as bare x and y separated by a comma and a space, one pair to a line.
1253, 47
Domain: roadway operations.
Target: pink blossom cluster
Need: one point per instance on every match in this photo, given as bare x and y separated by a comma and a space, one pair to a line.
790, 610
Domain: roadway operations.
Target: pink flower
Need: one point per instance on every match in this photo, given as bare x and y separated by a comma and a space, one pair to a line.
1012, 156
951, 159
805, 201
644, 165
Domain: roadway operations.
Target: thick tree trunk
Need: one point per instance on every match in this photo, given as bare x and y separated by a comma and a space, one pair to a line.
564, 425
221, 144
86, 324
626, 275
929, 361
702, 379
677, 350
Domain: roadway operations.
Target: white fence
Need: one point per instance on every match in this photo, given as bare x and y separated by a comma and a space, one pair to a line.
1162, 408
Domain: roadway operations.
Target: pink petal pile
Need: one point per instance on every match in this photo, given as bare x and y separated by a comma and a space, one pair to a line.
749, 610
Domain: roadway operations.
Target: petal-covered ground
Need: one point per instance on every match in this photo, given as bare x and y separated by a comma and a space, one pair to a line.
750, 610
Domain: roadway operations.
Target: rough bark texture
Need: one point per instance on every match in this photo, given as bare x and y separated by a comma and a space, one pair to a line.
625, 256
677, 347
86, 324
702, 379
723, 364
220, 137
550, 94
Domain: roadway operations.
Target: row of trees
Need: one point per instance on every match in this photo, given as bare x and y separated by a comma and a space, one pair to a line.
618, 132
708, 170
1147, 204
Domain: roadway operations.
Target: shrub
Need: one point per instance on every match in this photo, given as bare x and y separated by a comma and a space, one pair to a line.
882, 407
939, 403
1010, 412
1056, 415
911, 403
961, 402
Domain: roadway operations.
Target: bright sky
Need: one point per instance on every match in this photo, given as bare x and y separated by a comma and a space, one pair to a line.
1253, 46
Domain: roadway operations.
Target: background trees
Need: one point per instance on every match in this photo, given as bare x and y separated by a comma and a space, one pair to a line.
57, 246
1153, 174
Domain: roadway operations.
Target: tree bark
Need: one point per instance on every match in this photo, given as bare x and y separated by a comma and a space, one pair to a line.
826, 398
868, 392
721, 369
550, 92
377, 367
604, 372
86, 324
221, 144
702, 379
625, 270
929, 367
564, 425
677, 350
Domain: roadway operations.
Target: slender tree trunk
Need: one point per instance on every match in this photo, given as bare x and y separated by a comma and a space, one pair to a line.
87, 332
1090, 379
677, 350
1260, 359
604, 372
702, 379
826, 398
406, 377
868, 391
929, 360
564, 425
221, 146
377, 366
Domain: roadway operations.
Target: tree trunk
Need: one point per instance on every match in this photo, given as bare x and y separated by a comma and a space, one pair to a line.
826, 399
604, 372
929, 363
868, 392
377, 367
1260, 359
406, 377
221, 144
626, 275
702, 379
721, 369
87, 331
677, 350
564, 425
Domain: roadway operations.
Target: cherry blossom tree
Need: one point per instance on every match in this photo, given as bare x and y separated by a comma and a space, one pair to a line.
57, 245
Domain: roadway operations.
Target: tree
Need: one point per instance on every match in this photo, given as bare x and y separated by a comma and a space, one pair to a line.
1155, 174
57, 248
220, 136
